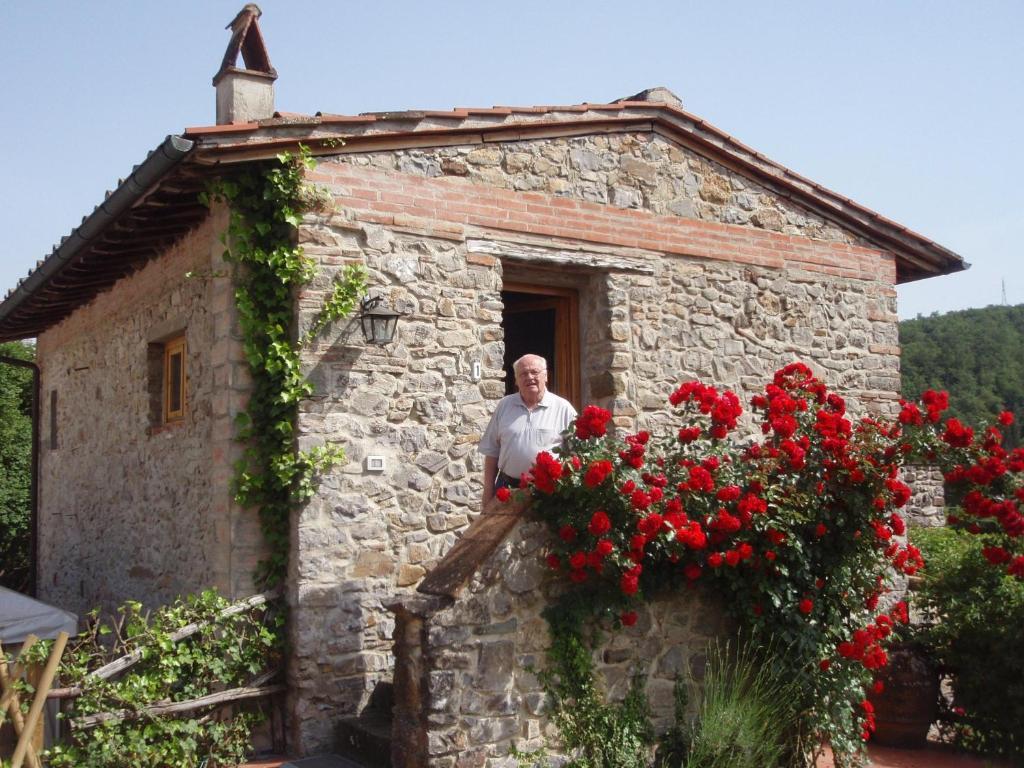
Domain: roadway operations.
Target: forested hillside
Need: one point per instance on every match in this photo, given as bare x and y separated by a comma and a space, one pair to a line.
977, 355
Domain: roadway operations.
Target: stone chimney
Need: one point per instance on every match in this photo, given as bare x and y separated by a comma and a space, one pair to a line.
657, 95
247, 94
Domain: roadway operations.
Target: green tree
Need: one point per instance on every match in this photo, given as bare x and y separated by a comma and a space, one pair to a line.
15, 467
976, 355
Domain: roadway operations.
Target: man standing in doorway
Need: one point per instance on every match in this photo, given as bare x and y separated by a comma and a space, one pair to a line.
524, 424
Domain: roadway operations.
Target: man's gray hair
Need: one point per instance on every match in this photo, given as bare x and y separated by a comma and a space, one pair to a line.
521, 360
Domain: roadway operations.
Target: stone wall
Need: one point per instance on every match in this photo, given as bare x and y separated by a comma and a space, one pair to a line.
687, 280
152, 520
629, 170
927, 505
466, 694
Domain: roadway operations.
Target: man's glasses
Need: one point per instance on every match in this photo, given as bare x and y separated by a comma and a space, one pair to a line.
531, 373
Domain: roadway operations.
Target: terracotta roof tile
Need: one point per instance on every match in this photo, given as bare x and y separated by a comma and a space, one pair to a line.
455, 114
524, 110
485, 110
326, 117
208, 130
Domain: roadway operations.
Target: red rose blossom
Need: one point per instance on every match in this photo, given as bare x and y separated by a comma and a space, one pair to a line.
600, 524
597, 472
593, 422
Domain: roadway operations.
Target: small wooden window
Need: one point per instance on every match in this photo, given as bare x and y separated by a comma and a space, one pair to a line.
175, 377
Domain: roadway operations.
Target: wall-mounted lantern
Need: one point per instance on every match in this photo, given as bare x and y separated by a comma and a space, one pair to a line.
378, 321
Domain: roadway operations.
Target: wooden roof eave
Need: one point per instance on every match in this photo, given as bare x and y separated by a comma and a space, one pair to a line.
104, 248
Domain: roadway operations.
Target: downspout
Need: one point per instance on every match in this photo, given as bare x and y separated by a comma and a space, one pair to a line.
33, 555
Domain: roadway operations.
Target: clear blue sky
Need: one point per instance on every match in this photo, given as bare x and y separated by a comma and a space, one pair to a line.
911, 108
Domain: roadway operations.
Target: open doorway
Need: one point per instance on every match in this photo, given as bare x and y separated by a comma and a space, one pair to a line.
543, 320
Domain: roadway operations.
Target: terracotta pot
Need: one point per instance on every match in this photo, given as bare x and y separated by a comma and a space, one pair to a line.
909, 704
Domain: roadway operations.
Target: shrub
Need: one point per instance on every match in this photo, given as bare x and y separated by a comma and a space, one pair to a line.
227, 651
745, 718
977, 615
15, 468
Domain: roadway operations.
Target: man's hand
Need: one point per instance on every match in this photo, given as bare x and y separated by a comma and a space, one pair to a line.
490, 475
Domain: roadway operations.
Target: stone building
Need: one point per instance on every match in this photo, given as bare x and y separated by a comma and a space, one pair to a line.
630, 242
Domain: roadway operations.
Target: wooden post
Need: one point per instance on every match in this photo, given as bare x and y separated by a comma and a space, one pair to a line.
38, 701
9, 698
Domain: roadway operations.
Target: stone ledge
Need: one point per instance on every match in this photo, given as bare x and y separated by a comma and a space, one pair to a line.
420, 606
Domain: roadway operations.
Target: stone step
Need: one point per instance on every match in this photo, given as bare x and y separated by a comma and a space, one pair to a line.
383, 697
366, 738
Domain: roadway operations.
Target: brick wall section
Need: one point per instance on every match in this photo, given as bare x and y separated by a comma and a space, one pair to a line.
392, 198
153, 518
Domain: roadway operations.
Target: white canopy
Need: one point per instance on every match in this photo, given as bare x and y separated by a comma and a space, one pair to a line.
21, 616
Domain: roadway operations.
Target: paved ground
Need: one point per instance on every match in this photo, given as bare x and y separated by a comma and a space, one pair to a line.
934, 756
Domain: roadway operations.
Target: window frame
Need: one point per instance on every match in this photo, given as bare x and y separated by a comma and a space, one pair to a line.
172, 347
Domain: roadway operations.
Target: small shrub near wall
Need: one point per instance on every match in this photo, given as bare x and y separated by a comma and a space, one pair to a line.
742, 718
977, 615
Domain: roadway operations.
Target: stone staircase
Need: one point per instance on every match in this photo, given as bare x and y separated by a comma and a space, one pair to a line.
366, 738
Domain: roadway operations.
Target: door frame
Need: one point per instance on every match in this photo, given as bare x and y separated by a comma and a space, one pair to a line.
565, 302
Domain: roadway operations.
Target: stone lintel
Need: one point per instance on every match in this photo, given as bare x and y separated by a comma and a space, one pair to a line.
559, 257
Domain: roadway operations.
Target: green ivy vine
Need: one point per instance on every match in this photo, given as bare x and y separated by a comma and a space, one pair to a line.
267, 202
596, 732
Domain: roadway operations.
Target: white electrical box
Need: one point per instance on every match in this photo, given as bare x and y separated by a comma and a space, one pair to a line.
476, 370
375, 463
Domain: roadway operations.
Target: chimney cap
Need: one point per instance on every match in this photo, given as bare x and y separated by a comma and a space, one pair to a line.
658, 95
247, 40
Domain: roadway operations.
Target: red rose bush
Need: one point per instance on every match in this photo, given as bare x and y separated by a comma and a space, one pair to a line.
798, 531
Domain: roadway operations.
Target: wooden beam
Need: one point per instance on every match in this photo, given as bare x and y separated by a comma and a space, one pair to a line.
177, 707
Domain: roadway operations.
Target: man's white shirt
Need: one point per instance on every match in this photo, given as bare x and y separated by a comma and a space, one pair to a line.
516, 434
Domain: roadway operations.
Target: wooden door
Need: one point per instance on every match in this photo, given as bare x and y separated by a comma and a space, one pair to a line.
543, 320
